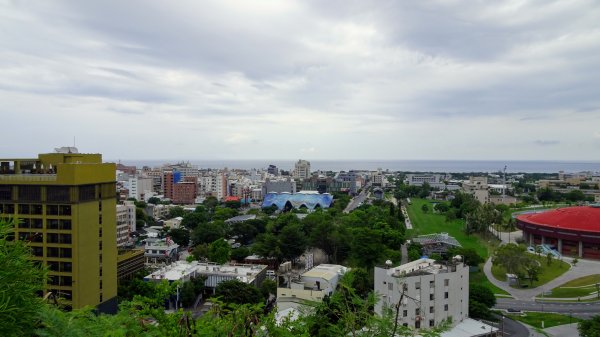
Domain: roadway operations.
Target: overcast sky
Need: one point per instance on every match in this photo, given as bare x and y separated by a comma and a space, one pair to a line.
307, 79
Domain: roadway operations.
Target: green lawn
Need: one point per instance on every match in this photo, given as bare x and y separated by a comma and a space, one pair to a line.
579, 287
431, 222
479, 278
550, 319
583, 281
547, 274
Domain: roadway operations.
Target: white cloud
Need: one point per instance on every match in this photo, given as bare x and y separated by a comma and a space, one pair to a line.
284, 79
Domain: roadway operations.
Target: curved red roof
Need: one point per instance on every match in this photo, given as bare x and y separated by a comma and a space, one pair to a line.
581, 218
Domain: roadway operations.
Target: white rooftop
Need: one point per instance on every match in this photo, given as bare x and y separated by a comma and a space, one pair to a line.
184, 270
326, 271
469, 328
423, 264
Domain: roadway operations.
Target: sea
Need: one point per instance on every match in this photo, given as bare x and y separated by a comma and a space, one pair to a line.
443, 166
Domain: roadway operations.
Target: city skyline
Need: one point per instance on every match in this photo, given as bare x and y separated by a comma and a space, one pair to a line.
337, 80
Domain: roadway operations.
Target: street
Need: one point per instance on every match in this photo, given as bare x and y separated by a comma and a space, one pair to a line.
579, 309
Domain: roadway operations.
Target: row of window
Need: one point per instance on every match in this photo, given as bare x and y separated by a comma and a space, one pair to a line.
418, 311
38, 237
53, 193
417, 285
35, 209
61, 224
52, 252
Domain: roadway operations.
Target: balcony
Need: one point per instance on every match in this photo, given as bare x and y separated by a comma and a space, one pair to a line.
17, 178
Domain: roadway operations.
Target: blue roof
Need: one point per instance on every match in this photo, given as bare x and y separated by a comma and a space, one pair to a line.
298, 200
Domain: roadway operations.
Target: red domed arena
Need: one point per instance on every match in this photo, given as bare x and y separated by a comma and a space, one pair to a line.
573, 231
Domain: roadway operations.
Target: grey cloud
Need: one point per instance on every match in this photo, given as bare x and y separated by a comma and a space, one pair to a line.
546, 142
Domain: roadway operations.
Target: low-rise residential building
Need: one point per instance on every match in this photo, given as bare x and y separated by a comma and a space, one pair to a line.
428, 293
173, 223
214, 273
160, 251
313, 286
286, 185
478, 187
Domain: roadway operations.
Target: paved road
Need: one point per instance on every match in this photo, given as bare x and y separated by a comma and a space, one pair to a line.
358, 200
581, 309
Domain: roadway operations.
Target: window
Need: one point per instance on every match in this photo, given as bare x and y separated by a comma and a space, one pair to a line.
57, 194
445, 307
100, 232
417, 311
37, 223
65, 252
404, 286
65, 224
404, 313
87, 192
37, 251
100, 206
100, 219
447, 282
431, 297
431, 322
30, 193
51, 209
431, 284
36, 209
6, 193
418, 285
446, 294
25, 223
431, 310
390, 286
52, 224
64, 210
8, 209
23, 209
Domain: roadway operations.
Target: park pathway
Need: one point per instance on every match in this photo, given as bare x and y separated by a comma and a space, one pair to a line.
583, 268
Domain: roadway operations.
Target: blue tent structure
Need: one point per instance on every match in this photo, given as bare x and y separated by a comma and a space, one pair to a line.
298, 200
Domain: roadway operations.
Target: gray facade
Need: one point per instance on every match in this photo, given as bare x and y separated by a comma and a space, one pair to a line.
433, 292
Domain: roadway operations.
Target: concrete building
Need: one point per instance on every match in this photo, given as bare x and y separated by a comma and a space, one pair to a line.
478, 187
66, 206
214, 273
313, 286
129, 262
286, 185
301, 170
272, 169
433, 293
160, 251
185, 192
173, 223
126, 223
138, 187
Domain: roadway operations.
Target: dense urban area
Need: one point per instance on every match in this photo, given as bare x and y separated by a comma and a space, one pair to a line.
95, 248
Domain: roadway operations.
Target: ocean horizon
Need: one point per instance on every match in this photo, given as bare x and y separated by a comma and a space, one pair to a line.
441, 166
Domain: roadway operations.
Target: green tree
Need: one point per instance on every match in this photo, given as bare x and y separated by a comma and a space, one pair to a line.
20, 279
194, 219
238, 292
469, 255
292, 241
482, 294
180, 236
268, 287
533, 271
590, 327
208, 232
512, 257
219, 251
425, 208
154, 200
441, 207
175, 212
239, 254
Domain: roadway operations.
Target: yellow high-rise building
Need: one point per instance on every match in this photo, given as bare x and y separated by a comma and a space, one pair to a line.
64, 204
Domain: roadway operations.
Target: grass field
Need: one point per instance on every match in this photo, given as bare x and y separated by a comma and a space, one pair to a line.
431, 222
550, 319
547, 274
580, 287
583, 281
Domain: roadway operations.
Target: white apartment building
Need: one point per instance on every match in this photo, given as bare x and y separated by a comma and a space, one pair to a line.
125, 223
301, 170
433, 292
138, 187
